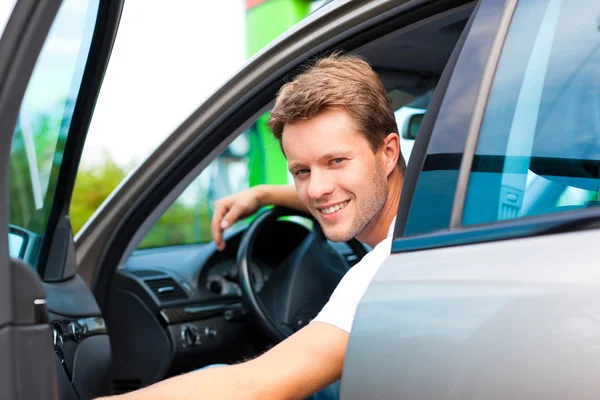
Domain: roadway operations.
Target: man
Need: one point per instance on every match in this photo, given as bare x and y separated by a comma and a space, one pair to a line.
337, 130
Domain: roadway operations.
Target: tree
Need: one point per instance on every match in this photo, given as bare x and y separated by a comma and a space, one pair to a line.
92, 186
180, 224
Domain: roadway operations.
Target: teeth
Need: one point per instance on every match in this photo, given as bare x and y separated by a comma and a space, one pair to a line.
335, 207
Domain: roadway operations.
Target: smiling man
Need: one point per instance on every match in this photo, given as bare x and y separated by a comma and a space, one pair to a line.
337, 130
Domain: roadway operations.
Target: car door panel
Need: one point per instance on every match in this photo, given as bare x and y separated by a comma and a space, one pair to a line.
32, 347
493, 309
486, 320
25, 337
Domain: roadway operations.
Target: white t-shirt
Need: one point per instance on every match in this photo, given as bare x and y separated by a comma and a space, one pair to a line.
341, 307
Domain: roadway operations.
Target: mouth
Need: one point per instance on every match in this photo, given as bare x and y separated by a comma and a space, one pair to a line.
329, 211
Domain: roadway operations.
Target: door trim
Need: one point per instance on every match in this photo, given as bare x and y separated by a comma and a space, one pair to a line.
478, 113
23, 345
55, 246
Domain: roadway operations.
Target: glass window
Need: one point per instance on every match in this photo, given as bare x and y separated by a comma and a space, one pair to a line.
44, 121
152, 84
409, 115
539, 145
242, 165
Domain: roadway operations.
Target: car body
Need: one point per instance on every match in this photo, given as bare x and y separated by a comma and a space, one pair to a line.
491, 287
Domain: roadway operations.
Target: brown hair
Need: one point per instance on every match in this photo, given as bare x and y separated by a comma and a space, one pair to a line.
342, 81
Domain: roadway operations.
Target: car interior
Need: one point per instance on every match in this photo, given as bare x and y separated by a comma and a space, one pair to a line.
178, 308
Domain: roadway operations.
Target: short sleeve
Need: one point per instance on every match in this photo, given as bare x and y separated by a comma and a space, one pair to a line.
341, 307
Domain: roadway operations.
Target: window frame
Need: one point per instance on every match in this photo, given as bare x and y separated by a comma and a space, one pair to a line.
53, 252
456, 233
37, 238
442, 119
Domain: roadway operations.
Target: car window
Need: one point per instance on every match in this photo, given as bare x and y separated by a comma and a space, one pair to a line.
539, 145
409, 115
242, 165
251, 159
43, 124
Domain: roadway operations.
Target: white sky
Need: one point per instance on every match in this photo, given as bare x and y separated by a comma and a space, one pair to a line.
6, 7
168, 57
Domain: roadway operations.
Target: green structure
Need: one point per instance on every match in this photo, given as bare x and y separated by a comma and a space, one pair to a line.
266, 20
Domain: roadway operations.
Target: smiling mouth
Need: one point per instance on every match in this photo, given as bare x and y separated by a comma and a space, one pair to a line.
334, 208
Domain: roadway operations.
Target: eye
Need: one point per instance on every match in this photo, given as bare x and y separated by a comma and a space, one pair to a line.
336, 161
301, 172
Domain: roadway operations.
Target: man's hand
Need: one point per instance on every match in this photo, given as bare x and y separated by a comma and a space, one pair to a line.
231, 209
301, 365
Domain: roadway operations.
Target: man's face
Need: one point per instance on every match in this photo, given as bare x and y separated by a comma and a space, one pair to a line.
338, 177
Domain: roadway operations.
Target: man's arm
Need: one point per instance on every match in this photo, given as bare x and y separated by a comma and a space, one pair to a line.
241, 205
299, 366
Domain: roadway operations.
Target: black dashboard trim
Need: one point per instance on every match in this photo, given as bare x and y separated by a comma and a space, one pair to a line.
179, 315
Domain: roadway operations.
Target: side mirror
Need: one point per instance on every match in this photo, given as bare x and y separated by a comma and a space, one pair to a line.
17, 240
411, 126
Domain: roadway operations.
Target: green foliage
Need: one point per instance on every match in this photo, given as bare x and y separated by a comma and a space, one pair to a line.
181, 223
93, 185
44, 134
22, 204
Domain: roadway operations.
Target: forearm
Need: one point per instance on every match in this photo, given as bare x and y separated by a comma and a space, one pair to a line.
280, 195
231, 382
302, 364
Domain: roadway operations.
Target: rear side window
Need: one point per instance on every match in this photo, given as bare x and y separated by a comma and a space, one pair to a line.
539, 145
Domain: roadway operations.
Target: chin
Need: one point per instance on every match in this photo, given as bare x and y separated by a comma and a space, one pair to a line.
338, 236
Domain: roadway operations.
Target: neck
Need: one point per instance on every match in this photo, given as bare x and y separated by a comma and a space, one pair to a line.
378, 228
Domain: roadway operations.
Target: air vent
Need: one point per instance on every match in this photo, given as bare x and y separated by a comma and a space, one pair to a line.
143, 273
122, 386
166, 289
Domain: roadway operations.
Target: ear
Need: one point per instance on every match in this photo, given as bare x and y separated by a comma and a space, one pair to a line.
391, 152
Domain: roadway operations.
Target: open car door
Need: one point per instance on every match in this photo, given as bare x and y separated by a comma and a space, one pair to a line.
53, 55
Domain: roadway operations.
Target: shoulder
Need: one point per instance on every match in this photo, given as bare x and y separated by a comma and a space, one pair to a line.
373, 260
340, 309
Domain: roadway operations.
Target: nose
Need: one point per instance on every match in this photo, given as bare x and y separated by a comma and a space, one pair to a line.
319, 185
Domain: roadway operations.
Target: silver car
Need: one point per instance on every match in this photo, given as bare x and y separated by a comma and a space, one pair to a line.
491, 290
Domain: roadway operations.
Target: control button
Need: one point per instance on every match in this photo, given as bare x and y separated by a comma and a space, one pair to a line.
75, 331
190, 336
236, 314
210, 332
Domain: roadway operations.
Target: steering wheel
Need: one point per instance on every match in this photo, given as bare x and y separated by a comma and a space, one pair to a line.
298, 287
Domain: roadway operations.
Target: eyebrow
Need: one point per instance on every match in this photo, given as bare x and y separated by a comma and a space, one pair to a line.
334, 154
295, 166
326, 156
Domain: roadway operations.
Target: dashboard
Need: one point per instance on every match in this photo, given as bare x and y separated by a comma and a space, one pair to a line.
222, 278
175, 309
